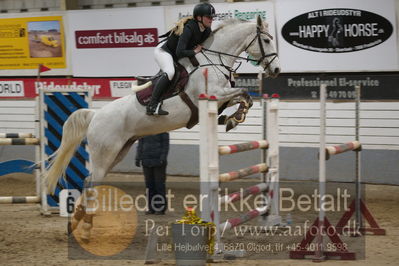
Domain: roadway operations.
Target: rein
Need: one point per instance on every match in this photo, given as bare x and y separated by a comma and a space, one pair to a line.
257, 61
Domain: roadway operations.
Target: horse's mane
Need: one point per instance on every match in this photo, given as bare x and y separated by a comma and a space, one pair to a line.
229, 22
232, 22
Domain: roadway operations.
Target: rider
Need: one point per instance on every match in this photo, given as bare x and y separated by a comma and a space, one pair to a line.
182, 41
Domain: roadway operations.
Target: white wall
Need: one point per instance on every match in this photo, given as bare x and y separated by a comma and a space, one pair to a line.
298, 125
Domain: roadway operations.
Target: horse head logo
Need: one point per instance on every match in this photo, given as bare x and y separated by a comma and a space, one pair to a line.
335, 32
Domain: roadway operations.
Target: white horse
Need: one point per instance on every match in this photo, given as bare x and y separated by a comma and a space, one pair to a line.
112, 130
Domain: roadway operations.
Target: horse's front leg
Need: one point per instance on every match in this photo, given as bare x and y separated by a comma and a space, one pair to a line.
225, 94
245, 102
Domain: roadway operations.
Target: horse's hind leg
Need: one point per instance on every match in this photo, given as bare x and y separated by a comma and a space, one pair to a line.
83, 208
102, 159
78, 215
88, 199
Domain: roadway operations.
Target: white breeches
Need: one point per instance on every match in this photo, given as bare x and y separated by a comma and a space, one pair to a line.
164, 61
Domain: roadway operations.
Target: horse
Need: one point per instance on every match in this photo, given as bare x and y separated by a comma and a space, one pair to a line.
112, 130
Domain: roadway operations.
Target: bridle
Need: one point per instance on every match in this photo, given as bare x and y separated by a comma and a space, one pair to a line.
257, 37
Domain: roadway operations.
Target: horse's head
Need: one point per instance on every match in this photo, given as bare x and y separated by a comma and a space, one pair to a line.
260, 47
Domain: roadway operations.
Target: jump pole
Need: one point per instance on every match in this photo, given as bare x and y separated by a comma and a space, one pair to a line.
16, 135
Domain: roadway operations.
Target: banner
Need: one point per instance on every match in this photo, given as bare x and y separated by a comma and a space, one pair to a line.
27, 42
101, 87
306, 86
114, 42
337, 36
116, 38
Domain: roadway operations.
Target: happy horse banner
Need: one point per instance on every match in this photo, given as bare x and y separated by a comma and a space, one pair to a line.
114, 43
225, 11
337, 36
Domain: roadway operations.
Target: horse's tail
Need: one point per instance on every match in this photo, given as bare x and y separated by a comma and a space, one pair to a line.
73, 132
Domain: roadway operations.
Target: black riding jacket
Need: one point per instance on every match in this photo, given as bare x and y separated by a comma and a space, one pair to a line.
183, 45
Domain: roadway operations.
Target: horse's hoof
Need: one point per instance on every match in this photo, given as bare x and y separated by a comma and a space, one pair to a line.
85, 240
85, 236
222, 119
230, 125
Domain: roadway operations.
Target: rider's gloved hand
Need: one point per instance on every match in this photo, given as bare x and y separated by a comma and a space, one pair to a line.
198, 49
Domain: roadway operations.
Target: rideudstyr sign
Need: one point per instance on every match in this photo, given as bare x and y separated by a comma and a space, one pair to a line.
102, 88
337, 30
337, 36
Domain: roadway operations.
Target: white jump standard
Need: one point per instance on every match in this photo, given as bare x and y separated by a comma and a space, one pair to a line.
322, 223
210, 177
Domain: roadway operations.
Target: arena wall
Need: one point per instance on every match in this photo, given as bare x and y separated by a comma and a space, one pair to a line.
298, 150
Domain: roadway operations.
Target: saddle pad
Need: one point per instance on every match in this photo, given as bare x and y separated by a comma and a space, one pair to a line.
144, 96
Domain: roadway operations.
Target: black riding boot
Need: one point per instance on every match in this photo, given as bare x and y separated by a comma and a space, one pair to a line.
154, 106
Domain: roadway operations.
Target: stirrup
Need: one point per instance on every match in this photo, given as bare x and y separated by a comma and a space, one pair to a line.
150, 110
159, 111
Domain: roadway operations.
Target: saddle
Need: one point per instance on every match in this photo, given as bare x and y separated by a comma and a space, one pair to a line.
177, 84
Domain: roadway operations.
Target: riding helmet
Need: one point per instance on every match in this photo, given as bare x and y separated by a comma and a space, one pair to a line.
204, 9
